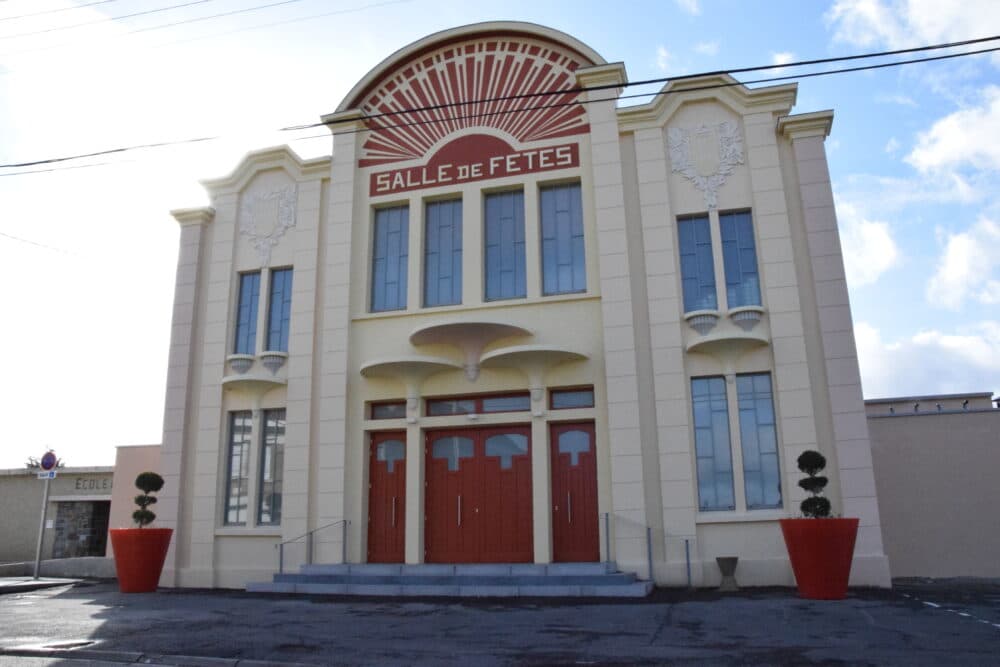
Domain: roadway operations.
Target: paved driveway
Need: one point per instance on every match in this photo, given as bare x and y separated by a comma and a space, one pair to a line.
916, 623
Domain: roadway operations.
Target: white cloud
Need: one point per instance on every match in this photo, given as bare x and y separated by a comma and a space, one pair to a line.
958, 138
930, 361
902, 100
664, 59
692, 7
892, 145
782, 58
868, 247
707, 48
966, 268
902, 23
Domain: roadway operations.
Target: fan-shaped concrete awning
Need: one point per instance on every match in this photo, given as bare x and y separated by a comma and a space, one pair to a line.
406, 369
533, 360
469, 337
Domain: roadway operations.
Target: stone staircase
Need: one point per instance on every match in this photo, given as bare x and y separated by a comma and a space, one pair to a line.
478, 580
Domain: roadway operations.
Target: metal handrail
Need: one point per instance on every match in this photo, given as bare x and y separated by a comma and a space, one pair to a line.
649, 544
309, 544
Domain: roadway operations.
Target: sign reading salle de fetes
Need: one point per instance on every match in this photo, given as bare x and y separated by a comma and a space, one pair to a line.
474, 158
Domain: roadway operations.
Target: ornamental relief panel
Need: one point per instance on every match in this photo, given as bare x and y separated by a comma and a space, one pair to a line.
265, 216
706, 155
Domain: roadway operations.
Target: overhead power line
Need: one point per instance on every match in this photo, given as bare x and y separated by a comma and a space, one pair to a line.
803, 75
106, 20
56, 11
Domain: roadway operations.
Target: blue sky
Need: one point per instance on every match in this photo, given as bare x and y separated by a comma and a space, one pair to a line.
87, 253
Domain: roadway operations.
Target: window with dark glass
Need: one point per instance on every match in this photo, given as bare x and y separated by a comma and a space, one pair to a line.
758, 441
697, 266
271, 466
739, 258
712, 444
563, 399
563, 257
390, 253
246, 314
238, 468
504, 245
388, 410
443, 253
279, 314
471, 405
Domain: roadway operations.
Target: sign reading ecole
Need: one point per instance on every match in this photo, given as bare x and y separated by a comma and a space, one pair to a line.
474, 158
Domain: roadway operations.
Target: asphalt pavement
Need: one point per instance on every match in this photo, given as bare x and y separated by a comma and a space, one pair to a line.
915, 623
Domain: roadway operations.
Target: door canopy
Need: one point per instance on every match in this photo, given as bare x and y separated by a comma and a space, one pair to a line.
482, 77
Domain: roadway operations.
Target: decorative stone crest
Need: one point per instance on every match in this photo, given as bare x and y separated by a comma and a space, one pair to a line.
706, 155
265, 217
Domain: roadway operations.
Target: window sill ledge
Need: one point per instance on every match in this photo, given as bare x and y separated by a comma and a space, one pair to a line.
750, 516
240, 531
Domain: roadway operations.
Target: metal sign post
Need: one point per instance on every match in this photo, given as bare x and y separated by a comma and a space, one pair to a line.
48, 465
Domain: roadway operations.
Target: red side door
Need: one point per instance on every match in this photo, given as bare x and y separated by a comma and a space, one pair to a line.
575, 531
387, 497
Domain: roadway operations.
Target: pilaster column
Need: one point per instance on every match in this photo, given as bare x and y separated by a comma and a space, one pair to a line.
177, 412
852, 449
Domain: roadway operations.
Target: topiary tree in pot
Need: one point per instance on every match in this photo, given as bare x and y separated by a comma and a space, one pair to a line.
820, 547
140, 552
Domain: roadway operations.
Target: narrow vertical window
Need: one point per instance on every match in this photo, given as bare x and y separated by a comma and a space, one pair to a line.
758, 441
246, 314
238, 468
279, 312
443, 253
272, 458
712, 445
390, 253
563, 258
697, 267
739, 258
504, 232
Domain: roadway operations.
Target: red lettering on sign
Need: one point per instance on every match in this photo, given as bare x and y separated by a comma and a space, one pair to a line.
474, 158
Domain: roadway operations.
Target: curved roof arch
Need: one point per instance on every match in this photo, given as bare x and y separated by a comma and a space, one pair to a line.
442, 38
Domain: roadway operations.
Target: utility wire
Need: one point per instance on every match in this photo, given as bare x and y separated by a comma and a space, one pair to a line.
56, 11
561, 104
164, 25
645, 82
106, 20
34, 243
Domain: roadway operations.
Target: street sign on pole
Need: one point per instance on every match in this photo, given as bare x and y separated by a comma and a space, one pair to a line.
48, 464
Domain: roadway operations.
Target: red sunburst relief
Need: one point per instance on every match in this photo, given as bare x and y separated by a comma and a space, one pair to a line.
461, 78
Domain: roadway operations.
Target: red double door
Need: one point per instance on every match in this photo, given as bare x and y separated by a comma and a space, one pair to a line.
478, 500
478, 496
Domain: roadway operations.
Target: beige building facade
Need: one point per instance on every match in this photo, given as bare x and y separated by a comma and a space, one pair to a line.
509, 320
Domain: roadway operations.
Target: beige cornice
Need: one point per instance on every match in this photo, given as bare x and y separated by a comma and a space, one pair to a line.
276, 157
201, 215
711, 87
603, 75
338, 121
799, 126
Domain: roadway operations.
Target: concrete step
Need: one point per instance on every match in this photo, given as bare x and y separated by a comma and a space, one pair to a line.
459, 579
631, 590
436, 569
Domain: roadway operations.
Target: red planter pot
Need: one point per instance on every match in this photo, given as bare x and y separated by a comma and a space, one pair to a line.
139, 557
821, 551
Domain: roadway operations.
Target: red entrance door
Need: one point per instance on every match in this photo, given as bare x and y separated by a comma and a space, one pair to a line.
386, 498
575, 532
478, 499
